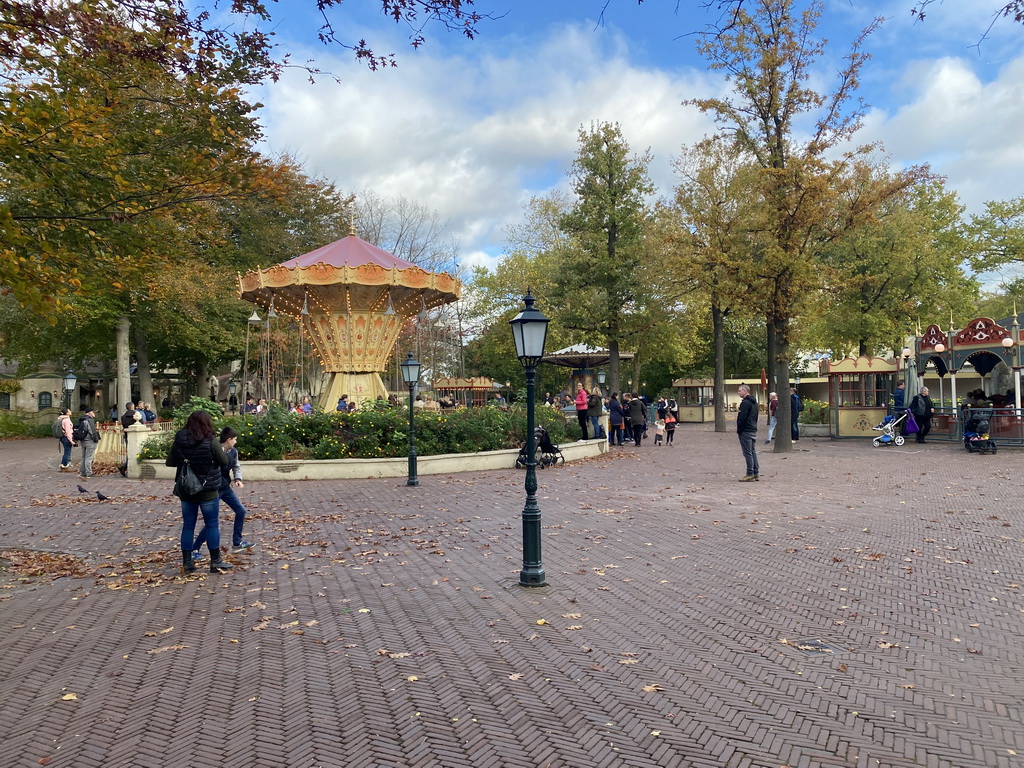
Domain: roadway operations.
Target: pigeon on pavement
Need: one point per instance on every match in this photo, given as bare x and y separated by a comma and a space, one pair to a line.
101, 497
82, 490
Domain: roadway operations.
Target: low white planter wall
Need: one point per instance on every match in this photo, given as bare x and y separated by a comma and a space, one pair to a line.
348, 469
815, 430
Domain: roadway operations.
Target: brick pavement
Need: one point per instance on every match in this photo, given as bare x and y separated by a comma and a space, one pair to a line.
858, 607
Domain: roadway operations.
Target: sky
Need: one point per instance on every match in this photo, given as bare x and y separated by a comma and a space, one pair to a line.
473, 129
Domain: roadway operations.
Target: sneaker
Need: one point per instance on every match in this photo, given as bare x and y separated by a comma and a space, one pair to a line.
244, 546
197, 556
747, 479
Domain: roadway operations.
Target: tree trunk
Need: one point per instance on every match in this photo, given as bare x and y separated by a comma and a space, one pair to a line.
718, 327
124, 378
142, 361
202, 381
614, 364
778, 328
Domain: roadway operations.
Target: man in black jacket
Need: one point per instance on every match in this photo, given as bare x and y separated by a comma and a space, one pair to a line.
746, 428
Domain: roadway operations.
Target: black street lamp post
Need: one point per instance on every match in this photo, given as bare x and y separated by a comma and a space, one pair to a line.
69, 386
411, 375
233, 395
529, 330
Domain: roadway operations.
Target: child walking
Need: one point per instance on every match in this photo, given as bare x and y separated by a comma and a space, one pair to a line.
670, 427
659, 432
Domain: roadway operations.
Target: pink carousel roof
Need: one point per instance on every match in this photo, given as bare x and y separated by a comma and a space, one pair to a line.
348, 252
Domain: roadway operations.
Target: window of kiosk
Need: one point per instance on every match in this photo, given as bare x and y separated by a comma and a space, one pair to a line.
864, 390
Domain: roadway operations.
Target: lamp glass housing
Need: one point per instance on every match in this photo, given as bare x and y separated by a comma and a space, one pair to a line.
529, 331
69, 381
410, 370
1008, 342
940, 347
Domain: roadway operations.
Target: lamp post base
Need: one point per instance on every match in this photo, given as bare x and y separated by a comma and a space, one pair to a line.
533, 577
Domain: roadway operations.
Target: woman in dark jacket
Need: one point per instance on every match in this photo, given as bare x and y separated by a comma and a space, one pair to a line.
615, 420
197, 445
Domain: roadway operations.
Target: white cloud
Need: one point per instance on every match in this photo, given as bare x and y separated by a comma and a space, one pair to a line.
969, 130
475, 139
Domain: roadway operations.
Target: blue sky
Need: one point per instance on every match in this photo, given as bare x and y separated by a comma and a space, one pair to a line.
473, 129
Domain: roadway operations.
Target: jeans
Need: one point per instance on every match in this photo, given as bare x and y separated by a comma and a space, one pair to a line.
614, 434
88, 451
581, 417
228, 496
772, 424
190, 513
748, 443
66, 445
595, 426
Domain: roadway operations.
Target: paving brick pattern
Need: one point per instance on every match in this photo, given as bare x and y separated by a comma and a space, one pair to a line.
859, 607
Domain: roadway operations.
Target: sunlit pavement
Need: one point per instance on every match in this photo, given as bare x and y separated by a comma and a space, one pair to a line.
858, 606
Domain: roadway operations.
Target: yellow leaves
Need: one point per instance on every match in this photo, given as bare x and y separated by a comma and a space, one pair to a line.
572, 615
161, 632
654, 688
164, 649
412, 678
390, 655
541, 622
69, 697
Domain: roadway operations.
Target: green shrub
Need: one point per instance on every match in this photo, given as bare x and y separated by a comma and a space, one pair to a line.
814, 412
12, 426
372, 432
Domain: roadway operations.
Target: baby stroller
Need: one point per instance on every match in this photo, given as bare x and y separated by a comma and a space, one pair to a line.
548, 454
890, 429
976, 437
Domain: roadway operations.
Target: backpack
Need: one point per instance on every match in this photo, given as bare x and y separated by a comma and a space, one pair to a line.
58, 430
79, 432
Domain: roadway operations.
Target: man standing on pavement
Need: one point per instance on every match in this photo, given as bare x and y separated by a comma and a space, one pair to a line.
796, 405
899, 398
746, 428
89, 439
921, 406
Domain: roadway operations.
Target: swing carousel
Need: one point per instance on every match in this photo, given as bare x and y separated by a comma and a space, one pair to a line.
350, 299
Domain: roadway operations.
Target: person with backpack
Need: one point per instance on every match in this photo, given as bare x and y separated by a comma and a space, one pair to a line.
199, 457
922, 408
86, 435
64, 432
231, 475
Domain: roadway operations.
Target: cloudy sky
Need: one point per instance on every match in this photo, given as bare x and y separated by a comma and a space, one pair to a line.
474, 129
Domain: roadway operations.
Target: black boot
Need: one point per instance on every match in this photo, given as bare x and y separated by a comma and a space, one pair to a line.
216, 564
187, 563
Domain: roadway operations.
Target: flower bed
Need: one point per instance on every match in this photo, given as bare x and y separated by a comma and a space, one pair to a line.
371, 433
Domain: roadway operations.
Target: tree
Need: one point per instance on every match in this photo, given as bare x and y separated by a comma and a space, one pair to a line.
604, 276
717, 187
998, 234
767, 55
906, 262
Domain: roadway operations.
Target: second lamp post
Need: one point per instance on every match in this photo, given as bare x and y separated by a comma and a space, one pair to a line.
529, 330
411, 376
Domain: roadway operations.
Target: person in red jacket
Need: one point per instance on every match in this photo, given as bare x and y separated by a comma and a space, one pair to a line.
581, 408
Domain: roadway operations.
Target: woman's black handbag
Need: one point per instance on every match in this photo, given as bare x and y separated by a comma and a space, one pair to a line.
187, 483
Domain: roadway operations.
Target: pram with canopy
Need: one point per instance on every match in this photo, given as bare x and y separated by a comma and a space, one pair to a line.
976, 435
890, 428
547, 453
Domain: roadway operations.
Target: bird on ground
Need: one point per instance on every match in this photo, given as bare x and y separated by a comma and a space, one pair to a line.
82, 490
101, 497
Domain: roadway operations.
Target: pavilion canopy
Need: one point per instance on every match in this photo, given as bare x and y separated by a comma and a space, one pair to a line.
583, 356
